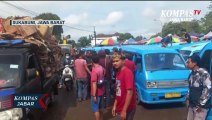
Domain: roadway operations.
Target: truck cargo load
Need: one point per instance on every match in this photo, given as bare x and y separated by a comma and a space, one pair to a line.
48, 50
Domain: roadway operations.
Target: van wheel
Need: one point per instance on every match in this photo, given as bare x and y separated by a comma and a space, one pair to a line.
137, 98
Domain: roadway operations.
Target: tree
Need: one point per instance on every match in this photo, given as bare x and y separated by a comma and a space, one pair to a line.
157, 34
138, 38
73, 43
210, 6
207, 22
124, 36
57, 30
84, 41
175, 28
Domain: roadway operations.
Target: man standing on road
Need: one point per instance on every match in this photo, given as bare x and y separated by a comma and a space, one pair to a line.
199, 90
97, 93
81, 69
108, 77
125, 103
88, 59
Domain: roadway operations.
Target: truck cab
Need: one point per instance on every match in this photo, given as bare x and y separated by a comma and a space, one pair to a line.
161, 75
21, 73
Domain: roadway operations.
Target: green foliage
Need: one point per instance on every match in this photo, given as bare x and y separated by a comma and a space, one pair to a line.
157, 34
57, 30
210, 6
124, 36
73, 43
84, 41
207, 22
175, 28
138, 38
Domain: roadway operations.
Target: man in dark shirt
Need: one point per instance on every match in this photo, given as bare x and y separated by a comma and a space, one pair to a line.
88, 59
166, 40
199, 90
186, 36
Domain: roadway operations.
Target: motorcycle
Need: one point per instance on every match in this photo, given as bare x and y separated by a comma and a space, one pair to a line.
67, 77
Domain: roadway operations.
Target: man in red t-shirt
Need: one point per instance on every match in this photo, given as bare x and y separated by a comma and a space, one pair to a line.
82, 81
97, 93
125, 103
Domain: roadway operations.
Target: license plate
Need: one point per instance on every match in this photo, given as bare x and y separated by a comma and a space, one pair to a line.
172, 95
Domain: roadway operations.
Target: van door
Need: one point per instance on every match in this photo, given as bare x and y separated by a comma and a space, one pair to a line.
32, 82
206, 62
139, 74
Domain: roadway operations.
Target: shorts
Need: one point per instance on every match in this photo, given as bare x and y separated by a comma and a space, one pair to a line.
96, 106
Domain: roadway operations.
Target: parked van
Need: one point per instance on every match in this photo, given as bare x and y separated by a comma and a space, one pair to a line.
178, 47
193, 49
161, 75
206, 62
97, 49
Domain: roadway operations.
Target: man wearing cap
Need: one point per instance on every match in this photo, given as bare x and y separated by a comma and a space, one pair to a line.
199, 90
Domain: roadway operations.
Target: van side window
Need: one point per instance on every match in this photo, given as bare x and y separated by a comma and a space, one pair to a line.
138, 62
31, 62
128, 55
206, 59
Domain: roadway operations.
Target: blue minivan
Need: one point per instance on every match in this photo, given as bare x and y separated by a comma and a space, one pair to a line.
206, 62
161, 75
193, 49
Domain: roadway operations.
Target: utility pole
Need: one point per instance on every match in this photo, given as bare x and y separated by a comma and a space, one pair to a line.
95, 35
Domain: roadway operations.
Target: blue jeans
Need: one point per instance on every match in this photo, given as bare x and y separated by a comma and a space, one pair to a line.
82, 89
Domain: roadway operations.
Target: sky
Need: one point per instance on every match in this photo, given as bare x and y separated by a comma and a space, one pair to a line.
108, 17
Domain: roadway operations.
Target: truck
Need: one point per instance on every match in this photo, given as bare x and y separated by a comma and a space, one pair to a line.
21, 73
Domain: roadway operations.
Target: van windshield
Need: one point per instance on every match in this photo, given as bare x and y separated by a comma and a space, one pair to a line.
9, 71
164, 61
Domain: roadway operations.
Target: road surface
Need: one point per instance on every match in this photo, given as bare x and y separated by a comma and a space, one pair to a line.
67, 108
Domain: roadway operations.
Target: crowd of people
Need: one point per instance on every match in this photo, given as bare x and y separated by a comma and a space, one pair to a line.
108, 80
